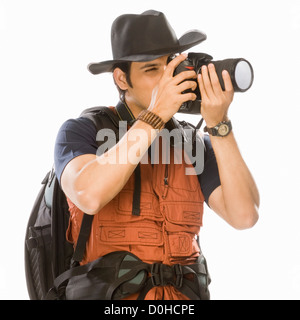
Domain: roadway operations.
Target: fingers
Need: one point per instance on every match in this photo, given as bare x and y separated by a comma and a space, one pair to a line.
202, 87
227, 81
187, 97
185, 75
174, 63
206, 81
209, 82
182, 76
186, 85
214, 80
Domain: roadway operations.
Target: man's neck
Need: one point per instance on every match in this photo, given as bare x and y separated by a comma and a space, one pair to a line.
136, 110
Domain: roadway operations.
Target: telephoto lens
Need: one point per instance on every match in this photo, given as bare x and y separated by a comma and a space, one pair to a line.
240, 71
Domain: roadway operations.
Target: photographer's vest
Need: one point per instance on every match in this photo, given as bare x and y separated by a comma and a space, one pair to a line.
166, 228
171, 208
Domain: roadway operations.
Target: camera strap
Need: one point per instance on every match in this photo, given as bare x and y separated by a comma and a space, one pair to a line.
198, 126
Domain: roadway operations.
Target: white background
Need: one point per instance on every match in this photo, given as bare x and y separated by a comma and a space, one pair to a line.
44, 50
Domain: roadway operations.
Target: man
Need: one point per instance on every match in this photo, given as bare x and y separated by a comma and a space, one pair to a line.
170, 207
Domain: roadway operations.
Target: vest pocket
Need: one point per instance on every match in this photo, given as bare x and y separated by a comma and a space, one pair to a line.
183, 246
184, 213
143, 240
149, 207
131, 234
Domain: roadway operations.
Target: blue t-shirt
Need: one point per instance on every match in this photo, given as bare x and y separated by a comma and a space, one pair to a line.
78, 137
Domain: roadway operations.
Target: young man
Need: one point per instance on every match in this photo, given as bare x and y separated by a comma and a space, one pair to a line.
171, 203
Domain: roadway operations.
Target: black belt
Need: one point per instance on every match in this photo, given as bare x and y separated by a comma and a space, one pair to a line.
110, 283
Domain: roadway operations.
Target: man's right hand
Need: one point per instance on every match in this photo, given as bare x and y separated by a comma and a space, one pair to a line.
167, 96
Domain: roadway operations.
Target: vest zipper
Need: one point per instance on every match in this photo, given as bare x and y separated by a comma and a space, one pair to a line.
166, 183
166, 238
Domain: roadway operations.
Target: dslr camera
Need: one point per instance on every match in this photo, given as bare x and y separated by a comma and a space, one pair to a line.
240, 71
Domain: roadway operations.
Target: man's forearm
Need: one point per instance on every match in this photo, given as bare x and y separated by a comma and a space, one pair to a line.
240, 194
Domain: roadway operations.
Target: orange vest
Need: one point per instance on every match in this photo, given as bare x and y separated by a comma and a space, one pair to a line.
171, 210
170, 218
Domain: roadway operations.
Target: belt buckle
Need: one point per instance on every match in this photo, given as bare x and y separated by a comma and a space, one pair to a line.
179, 275
155, 274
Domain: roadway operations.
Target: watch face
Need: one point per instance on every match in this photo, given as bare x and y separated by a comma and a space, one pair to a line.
223, 129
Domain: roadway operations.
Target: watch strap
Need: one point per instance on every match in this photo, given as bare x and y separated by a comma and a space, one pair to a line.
217, 130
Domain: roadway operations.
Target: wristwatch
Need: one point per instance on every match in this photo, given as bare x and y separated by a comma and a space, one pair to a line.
222, 129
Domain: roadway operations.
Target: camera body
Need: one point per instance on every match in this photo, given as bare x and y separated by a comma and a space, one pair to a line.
240, 71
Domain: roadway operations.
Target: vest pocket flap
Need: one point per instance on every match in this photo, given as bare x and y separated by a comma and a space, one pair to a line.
149, 206
184, 213
132, 234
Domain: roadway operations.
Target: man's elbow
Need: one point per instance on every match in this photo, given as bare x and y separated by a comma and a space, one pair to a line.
88, 203
247, 219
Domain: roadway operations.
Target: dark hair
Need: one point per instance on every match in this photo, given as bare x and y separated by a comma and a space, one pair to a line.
125, 67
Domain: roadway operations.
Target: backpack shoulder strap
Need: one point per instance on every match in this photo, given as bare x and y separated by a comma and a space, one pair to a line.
105, 117
102, 117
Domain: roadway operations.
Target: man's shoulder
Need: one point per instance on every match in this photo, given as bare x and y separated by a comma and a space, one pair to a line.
76, 128
80, 123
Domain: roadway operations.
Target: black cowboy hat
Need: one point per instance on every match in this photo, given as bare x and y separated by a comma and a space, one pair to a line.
144, 37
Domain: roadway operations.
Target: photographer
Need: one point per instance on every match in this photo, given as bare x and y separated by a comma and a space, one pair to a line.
161, 227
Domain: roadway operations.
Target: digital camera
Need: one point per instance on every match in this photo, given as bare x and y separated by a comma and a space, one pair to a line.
240, 71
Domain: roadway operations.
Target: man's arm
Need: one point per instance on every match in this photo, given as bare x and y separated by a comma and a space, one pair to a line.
90, 181
237, 199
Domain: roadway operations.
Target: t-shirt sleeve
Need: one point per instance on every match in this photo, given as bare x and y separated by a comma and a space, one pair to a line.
76, 137
209, 179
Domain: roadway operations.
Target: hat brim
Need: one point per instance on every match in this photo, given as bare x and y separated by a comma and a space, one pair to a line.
188, 40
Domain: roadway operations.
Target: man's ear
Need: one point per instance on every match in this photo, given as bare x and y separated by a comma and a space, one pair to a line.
120, 79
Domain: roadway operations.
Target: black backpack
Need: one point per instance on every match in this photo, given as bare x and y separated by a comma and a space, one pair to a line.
51, 263
47, 252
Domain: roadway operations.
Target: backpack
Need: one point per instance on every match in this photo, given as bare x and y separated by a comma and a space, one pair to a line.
51, 263
47, 252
